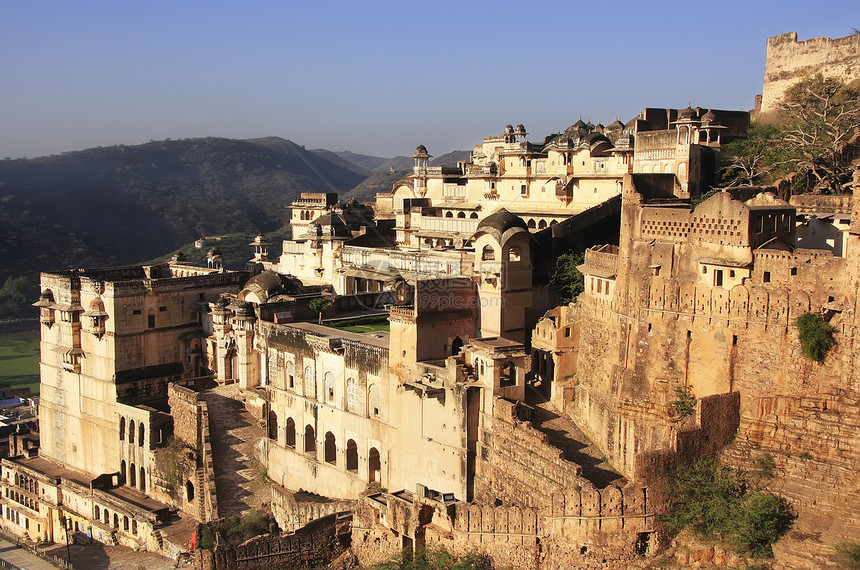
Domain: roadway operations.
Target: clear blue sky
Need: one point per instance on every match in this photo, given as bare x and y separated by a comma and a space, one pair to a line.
373, 77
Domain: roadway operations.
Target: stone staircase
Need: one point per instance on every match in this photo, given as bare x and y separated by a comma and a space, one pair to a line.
564, 434
233, 433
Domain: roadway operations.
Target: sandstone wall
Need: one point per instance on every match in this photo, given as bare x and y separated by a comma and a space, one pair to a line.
292, 513
313, 546
516, 463
611, 528
789, 60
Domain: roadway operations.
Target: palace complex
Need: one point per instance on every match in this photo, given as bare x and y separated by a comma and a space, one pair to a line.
488, 415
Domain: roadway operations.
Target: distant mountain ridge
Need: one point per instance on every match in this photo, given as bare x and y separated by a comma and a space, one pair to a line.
123, 204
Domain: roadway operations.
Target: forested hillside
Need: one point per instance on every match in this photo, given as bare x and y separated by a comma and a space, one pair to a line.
124, 204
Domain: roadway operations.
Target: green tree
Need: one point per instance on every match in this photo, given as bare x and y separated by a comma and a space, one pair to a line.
569, 281
320, 305
821, 131
755, 159
816, 336
717, 502
16, 296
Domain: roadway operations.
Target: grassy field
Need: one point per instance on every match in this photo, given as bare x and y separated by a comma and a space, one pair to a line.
19, 359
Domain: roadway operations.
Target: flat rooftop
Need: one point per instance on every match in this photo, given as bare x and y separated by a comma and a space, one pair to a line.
376, 338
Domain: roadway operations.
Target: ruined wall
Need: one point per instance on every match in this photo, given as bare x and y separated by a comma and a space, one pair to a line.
292, 513
610, 528
789, 61
313, 546
516, 463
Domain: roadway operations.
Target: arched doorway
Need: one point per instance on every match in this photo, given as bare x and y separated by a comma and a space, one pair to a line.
291, 433
330, 448
456, 346
189, 491
273, 425
351, 455
374, 465
310, 440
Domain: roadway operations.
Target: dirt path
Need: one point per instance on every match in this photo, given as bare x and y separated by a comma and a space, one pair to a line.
239, 480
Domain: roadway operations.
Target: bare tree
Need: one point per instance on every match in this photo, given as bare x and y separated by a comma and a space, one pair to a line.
821, 131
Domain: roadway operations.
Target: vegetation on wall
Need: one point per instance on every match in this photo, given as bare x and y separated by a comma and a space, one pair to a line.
235, 530
717, 502
569, 281
175, 462
848, 554
685, 403
436, 559
816, 336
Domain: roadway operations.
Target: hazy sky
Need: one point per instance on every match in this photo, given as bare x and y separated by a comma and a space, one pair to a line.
374, 77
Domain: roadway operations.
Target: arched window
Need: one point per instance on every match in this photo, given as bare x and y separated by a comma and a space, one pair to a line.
449, 214
122, 470
310, 440
291, 375
330, 448
374, 465
98, 513
310, 383
532, 225
115, 520
461, 214
328, 383
107, 517
489, 254
552, 223
140, 431
374, 403
291, 433
132, 476
142, 479
273, 425
125, 523
189, 491
122, 429
131, 431
542, 225
473, 215
351, 395
351, 455
514, 254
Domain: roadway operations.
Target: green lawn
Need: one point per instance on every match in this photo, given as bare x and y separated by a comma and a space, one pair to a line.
19, 359
361, 324
366, 328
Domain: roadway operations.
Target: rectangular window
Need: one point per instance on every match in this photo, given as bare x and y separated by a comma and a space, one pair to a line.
766, 277
162, 309
135, 312
523, 190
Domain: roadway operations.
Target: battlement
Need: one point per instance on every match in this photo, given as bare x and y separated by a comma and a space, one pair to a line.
789, 61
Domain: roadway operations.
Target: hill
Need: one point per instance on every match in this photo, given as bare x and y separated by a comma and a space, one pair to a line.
392, 170
363, 161
123, 204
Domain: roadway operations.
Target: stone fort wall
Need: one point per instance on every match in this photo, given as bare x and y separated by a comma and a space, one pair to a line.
516, 463
789, 60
